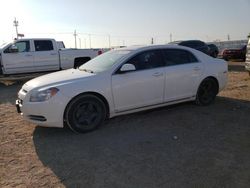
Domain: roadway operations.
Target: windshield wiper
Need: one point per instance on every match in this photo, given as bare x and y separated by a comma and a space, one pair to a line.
86, 70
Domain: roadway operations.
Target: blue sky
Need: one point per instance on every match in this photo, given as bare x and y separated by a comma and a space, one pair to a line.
126, 22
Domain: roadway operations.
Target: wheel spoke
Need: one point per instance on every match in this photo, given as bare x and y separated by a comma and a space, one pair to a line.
93, 116
81, 120
90, 107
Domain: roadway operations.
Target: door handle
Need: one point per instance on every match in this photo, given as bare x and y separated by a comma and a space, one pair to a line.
28, 55
158, 74
197, 68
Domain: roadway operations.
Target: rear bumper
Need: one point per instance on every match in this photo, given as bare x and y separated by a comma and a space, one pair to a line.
233, 56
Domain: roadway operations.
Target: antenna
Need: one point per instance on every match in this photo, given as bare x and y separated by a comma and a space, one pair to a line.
16, 25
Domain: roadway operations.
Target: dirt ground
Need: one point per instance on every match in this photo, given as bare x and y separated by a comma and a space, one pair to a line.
178, 146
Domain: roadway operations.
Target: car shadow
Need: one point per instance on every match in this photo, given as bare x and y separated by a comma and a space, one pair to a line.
236, 66
178, 146
8, 92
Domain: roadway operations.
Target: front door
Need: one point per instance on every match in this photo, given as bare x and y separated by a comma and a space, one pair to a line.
20, 61
142, 87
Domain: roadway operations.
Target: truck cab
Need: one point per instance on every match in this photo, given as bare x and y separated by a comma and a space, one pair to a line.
29, 55
37, 55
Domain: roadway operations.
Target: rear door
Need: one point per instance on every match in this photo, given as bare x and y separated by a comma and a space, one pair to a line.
20, 61
46, 57
183, 73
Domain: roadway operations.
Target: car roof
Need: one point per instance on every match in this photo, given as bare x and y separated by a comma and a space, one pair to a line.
184, 41
152, 47
35, 39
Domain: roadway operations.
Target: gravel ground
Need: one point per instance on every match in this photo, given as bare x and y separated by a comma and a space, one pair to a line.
178, 146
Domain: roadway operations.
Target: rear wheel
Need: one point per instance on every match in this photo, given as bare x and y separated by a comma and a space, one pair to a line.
85, 113
207, 92
214, 54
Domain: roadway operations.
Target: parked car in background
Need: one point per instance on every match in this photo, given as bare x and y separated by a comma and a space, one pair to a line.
121, 81
247, 65
41, 55
196, 44
213, 50
233, 53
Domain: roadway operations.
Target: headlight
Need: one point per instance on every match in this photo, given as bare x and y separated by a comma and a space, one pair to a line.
43, 95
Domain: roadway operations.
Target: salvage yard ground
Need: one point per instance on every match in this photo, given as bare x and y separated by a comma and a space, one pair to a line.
178, 146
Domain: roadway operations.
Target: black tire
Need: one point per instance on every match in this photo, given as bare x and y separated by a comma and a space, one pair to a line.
85, 113
207, 92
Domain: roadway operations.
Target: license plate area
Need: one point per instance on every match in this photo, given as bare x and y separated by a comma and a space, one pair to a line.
18, 105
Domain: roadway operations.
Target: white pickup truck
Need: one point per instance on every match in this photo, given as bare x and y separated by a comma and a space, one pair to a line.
40, 55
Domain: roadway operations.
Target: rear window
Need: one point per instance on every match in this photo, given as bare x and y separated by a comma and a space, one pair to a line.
43, 45
178, 57
193, 44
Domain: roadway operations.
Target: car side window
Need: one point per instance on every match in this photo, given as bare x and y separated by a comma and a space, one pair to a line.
178, 57
22, 46
147, 60
43, 45
190, 44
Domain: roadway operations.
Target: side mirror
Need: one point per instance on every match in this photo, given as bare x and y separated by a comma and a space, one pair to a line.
13, 49
127, 68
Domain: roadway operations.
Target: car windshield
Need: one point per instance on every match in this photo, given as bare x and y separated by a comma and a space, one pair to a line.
103, 62
3, 44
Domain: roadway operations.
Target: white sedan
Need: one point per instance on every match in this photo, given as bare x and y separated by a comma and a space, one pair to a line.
119, 82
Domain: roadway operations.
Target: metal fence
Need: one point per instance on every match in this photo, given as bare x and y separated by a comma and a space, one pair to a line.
230, 44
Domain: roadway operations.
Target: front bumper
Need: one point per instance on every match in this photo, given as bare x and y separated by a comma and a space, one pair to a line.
47, 114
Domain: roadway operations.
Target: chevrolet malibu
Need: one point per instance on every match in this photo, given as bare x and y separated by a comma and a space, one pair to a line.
119, 82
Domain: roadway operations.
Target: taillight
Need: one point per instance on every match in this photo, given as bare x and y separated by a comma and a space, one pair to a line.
99, 52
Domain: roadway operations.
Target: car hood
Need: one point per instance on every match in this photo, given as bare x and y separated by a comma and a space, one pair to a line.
57, 78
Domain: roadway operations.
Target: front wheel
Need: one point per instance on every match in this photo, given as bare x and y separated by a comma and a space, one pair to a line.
85, 113
207, 92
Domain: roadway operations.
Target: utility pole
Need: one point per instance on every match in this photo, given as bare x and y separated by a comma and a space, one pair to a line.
16, 25
75, 38
152, 40
89, 40
109, 41
171, 37
80, 43
228, 37
85, 43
